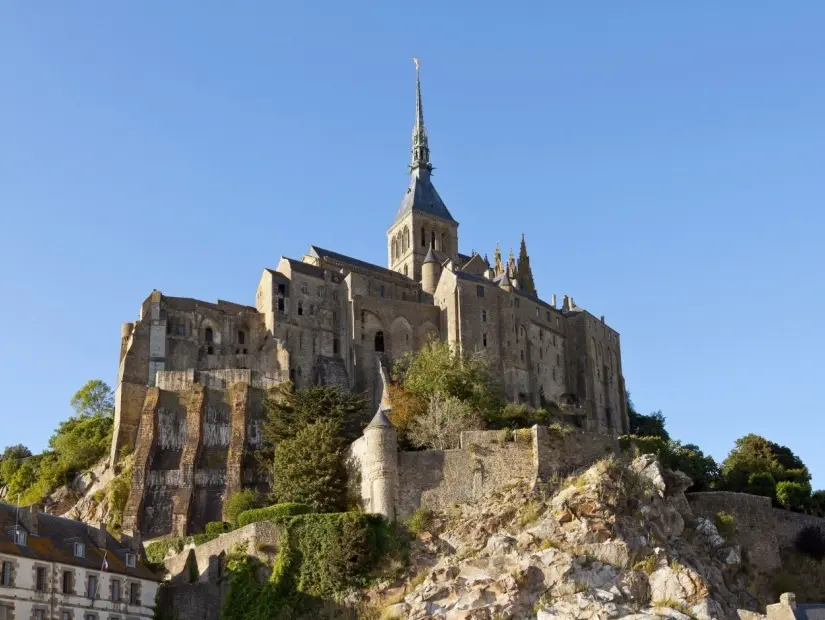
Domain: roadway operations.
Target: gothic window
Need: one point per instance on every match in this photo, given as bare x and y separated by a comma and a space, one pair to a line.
423, 238
379, 342
483, 316
335, 346
406, 273
394, 250
241, 337
300, 308
304, 288
208, 335
479, 290
432, 239
484, 339
405, 239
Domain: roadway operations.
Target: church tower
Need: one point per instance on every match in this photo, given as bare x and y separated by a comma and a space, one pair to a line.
423, 221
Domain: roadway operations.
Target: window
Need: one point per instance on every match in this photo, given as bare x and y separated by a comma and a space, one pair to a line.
443, 242
40, 579
483, 316
5, 612
304, 288
548, 316
79, 550
208, 335
522, 355
423, 238
281, 304
311, 309
134, 593
558, 322
479, 290
432, 238
537, 313
335, 346
131, 560
382, 290
19, 537
5, 575
210, 350
241, 337
379, 342
67, 582
65, 615
484, 339
319, 291
334, 319
300, 308
115, 590
39, 614
406, 270
517, 301
91, 587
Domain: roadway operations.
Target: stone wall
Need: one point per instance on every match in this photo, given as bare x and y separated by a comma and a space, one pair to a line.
754, 519
558, 453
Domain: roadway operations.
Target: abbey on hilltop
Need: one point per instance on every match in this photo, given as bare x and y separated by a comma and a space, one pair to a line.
193, 373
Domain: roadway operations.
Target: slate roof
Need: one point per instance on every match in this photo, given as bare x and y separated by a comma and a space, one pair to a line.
422, 196
380, 419
305, 268
810, 611
55, 540
317, 252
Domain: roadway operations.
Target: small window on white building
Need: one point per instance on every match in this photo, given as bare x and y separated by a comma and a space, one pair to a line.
39, 614
19, 537
131, 560
79, 550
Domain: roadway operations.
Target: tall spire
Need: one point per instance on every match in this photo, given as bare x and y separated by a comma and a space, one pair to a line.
511, 265
498, 267
525, 273
420, 165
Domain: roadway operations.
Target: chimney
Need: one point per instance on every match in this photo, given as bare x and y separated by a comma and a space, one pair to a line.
572, 303
602, 318
553, 300
565, 303
133, 542
29, 520
99, 535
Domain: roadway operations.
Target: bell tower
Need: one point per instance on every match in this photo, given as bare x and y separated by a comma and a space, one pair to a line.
423, 220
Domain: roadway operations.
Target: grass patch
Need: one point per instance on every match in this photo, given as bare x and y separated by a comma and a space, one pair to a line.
647, 565
420, 521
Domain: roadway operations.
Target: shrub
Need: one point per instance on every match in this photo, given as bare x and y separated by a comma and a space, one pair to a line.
271, 513
726, 525
762, 483
239, 502
156, 552
117, 492
440, 427
811, 542
216, 528
792, 495
419, 521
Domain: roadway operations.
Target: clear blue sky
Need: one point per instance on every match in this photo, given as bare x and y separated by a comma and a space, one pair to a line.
665, 161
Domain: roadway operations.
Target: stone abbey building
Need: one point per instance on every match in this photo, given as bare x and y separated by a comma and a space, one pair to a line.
193, 374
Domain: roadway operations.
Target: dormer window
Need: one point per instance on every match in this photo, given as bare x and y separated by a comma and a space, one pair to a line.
79, 550
19, 537
131, 560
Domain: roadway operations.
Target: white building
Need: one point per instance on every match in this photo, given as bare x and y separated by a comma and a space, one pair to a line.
52, 568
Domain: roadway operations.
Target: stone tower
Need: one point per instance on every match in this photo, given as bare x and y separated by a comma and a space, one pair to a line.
423, 220
381, 464
430, 272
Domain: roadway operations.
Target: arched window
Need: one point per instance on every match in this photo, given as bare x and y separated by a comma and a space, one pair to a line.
335, 346
210, 350
406, 238
379, 342
432, 239
208, 335
393, 252
423, 238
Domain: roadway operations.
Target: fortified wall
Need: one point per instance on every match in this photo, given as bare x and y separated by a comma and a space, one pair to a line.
396, 484
198, 434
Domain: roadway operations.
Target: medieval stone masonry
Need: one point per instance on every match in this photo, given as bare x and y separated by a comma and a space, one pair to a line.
193, 374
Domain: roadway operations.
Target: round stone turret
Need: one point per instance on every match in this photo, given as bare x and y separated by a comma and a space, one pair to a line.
430, 272
381, 464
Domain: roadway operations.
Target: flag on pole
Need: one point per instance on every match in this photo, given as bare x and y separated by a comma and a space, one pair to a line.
105, 566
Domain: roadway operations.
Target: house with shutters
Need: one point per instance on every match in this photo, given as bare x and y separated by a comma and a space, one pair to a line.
52, 568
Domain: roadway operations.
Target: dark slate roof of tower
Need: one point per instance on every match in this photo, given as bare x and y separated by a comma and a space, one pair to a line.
430, 258
380, 419
422, 196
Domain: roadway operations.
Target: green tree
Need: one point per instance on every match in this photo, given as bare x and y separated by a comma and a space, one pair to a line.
762, 483
238, 502
95, 398
310, 469
752, 457
289, 410
793, 495
438, 370
642, 425
82, 441
11, 460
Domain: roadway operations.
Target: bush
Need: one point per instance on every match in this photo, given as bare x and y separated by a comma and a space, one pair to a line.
321, 557
793, 495
216, 528
811, 542
239, 502
271, 513
726, 525
419, 521
762, 483
156, 552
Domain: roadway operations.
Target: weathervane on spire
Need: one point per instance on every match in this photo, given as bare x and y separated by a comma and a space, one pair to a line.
421, 149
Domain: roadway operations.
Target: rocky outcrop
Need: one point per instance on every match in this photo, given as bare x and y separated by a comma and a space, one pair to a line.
616, 541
